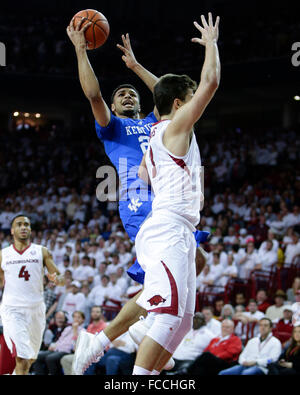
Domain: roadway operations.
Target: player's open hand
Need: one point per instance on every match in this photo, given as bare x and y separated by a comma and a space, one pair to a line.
76, 34
209, 31
128, 56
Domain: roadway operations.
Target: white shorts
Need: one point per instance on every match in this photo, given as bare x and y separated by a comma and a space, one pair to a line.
166, 249
23, 329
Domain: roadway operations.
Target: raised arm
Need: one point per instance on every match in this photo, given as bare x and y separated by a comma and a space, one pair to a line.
190, 113
130, 60
87, 77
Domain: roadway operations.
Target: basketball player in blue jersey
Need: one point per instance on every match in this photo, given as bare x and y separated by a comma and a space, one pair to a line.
125, 137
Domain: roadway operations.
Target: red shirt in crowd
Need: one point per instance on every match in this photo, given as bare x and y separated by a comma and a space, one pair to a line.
263, 306
283, 330
96, 328
228, 348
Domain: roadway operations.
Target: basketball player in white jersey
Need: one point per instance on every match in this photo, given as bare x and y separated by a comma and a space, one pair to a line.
22, 309
165, 245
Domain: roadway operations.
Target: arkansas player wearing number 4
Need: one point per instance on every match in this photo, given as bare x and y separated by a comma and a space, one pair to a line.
22, 308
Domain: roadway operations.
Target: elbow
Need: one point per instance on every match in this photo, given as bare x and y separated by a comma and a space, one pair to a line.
213, 79
93, 97
213, 82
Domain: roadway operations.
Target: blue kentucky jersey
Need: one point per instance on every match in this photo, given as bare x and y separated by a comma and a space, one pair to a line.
125, 142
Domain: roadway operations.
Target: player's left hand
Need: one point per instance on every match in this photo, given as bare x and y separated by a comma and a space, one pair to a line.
209, 31
128, 57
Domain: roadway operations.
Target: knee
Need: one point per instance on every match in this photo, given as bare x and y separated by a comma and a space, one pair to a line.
23, 364
184, 328
163, 328
113, 359
22, 361
49, 358
247, 372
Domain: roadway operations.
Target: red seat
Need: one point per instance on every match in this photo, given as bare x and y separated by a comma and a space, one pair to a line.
110, 312
209, 294
264, 279
235, 286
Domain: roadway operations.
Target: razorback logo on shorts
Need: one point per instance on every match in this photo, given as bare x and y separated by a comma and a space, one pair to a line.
156, 300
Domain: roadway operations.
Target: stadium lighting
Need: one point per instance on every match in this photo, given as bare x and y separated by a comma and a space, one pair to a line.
297, 98
38, 115
16, 113
26, 115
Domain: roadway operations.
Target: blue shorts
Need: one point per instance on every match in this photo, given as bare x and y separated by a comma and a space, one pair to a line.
133, 214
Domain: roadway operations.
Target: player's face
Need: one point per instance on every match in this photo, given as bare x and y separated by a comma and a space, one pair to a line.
21, 229
126, 103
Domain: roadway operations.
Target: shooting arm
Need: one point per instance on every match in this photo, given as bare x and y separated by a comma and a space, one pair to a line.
87, 77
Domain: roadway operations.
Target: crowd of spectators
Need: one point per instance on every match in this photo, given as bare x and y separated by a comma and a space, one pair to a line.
251, 210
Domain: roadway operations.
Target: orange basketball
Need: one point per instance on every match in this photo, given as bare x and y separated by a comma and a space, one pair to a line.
98, 32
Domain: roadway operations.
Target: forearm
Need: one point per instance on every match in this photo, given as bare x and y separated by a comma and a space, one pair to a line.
211, 71
87, 77
146, 76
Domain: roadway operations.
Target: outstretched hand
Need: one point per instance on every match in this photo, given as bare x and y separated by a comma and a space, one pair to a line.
209, 31
128, 57
76, 34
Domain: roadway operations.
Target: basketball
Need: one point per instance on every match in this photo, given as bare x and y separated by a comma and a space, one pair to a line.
97, 34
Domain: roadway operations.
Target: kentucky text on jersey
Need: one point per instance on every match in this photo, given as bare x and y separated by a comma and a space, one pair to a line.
130, 130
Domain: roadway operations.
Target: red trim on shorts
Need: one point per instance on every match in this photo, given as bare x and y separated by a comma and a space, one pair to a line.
173, 309
21, 252
14, 350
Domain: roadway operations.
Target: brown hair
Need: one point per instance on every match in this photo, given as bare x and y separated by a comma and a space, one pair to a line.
169, 88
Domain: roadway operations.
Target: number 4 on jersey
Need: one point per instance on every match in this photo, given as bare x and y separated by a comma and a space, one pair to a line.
24, 273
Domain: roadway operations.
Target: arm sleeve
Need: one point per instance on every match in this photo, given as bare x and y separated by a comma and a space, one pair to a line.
108, 132
151, 117
274, 354
243, 355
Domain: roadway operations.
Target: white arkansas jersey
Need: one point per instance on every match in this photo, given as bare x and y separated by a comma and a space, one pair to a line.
176, 181
23, 275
